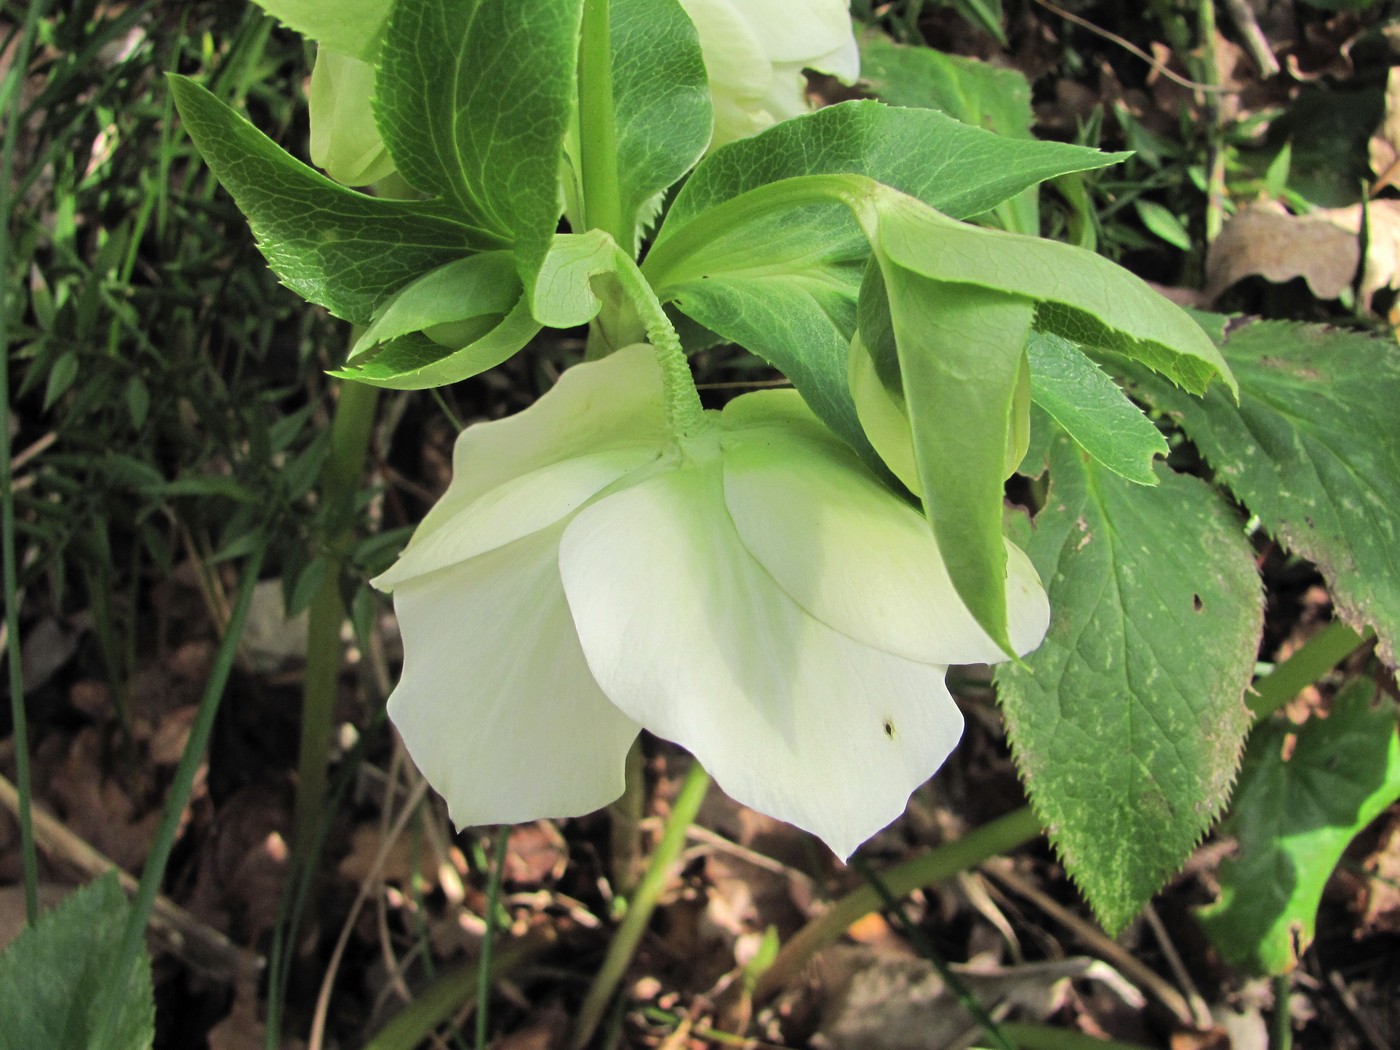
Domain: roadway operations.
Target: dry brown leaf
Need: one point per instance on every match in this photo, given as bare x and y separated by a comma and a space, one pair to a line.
1321, 247
879, 1002
1264, 240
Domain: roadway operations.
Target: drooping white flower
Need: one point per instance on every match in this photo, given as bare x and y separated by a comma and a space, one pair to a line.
752, 593
755, 52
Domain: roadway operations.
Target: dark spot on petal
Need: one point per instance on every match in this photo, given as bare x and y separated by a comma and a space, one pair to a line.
889, 729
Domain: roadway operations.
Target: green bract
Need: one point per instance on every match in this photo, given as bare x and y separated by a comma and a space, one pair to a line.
751, 592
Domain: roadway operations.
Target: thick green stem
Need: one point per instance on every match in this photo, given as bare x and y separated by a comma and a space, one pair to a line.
1001, 835
602, 199
1322, 652
116, 980
13, 103
624, 943
350, 433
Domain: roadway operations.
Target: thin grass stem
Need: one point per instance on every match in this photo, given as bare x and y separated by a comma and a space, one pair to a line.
925, 947
483, 968
639, 911
1322, 652
180, 789
12, 92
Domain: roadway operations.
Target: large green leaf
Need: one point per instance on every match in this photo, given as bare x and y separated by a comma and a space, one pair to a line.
353, 27
340, 249
1128, 721
661, 99
473, 99
55, 973
1313, 448
968, 89
1091, 407
1304, 794
958, 169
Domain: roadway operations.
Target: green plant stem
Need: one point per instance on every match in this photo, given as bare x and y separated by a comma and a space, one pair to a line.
925, 947
1000, 836
483, 967
351, 426
685, 415
11, 93
629, 934
1322, 652
447, 994
1281, 1030
115, 980
602, 201
625, 818
1043, 1037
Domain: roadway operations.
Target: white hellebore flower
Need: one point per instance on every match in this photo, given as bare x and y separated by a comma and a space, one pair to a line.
345, 140
755, 52
752, 593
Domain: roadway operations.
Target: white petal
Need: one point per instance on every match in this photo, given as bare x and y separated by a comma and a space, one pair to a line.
736, 66
847, 549
800, 31
515, 475
688, 635
496, 703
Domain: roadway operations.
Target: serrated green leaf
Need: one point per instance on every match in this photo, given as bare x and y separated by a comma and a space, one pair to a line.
54, 973
473, 100
1128, 722
415, 362
661, 98
967, 89
350, 26
1313, 448
340, 249
1304, 794
479, 288
1092, 409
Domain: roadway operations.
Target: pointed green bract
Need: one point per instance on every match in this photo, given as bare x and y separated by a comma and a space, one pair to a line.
1295, 811
54, 974
960, 351
473, 100
1313, 448
416, 362
340, 249
465, 292
1094, 411
1083, 297
1129, 720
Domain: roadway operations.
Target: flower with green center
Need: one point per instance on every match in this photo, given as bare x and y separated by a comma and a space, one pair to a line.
755, 52
749, 590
